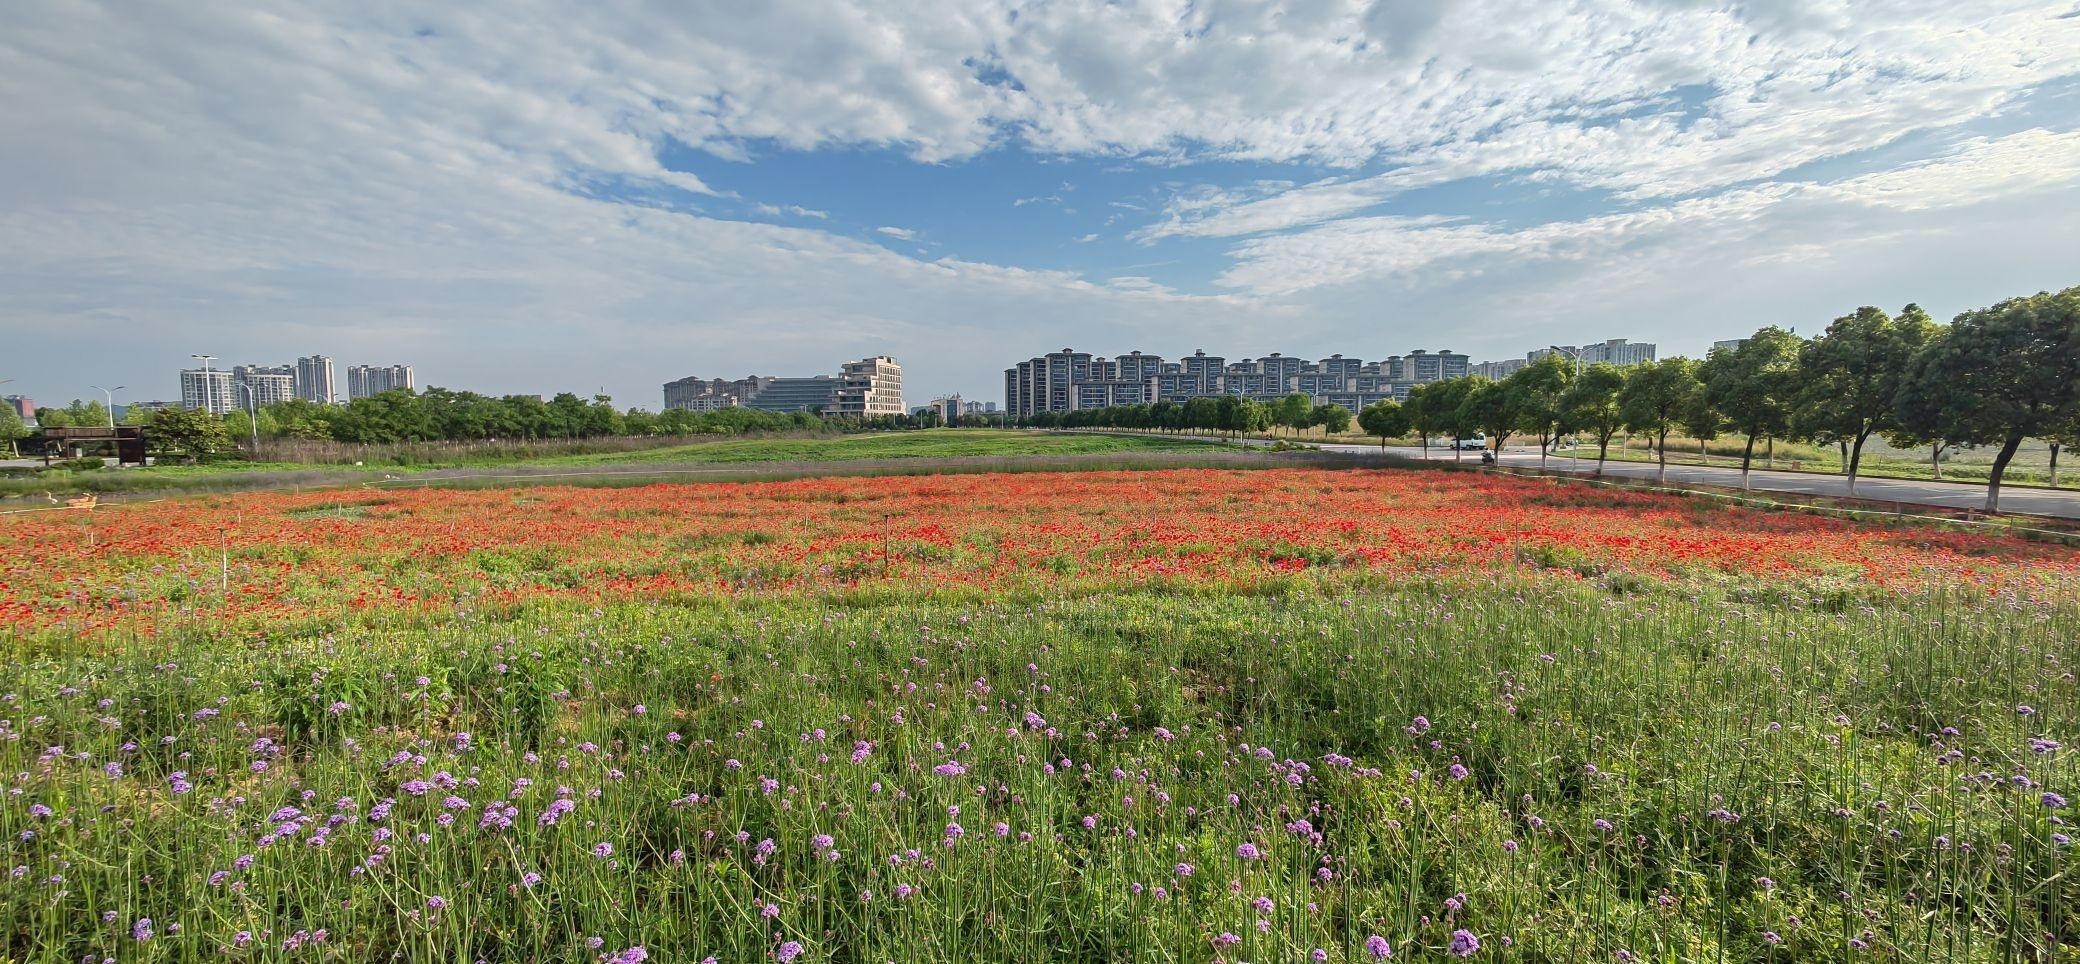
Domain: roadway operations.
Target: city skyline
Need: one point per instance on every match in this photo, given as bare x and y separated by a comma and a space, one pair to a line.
953, 184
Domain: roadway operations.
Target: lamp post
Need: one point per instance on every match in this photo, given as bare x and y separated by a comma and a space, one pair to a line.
12, 452
111, 393
209, 386
1576, 354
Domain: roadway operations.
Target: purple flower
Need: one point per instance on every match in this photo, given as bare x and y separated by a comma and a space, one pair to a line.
1602, 824
1378, 947
1464, 943
1185, 870
951, 768
1226, 940
142, 930
632, 955
1459, 771
436, 903
1249, 851
603, 849
788, 952
2053, 800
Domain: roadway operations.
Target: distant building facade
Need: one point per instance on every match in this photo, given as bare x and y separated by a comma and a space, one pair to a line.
865, 388
368, 381
24, 407
314, 379
870, 387
1615, 351
1070, 380
258, 387
207, 389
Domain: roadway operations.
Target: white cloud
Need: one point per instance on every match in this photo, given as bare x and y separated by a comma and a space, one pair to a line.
776, 210
1977, 171
386, 179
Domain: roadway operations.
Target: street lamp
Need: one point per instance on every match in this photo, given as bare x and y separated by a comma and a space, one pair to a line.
1575, 353
12, 452
209, 386
111, 393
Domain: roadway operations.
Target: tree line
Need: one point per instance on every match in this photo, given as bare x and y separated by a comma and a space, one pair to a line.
1993, 376
438, 415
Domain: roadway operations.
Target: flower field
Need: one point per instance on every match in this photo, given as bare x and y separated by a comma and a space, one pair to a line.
267, 560
1168, 716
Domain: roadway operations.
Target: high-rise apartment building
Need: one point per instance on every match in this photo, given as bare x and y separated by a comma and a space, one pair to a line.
870, 387
1615, 351
314, 380
256, 386
368, 381
1070, 380
23, 406
208, 390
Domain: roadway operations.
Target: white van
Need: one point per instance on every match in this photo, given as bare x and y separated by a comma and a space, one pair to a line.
1473, 444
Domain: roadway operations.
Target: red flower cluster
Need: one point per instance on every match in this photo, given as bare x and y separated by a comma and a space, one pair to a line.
295, 556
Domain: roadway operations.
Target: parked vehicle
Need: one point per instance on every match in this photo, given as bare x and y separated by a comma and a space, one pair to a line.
1472, 444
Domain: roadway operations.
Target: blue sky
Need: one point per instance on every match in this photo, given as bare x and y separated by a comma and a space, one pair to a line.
550, 196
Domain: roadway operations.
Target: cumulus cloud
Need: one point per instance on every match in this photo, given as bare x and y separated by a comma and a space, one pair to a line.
488, 187
1978, 171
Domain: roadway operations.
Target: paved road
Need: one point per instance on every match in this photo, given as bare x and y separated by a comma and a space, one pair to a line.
2064, 503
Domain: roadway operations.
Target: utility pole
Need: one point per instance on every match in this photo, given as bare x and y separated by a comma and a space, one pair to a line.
1575, 353
111, 393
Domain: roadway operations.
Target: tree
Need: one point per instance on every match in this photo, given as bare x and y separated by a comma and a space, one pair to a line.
11, 428
190, 433
87, 414
1292, 411
1425, 412
1591, 404
1387, 419
1850, 376
1446, 404
1754, 387
1655, 399
53, 418
1490, 408
1333, 419
1535, 393
1997, 376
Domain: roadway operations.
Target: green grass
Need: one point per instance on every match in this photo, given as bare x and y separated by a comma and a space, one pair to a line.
816, 449
927, 444
1766, 768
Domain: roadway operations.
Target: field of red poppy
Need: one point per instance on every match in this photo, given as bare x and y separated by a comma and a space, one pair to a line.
1174, 716
267, 558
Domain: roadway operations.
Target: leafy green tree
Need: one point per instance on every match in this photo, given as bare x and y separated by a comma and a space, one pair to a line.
1292, 411
1590, 404
1491, 408
87, 414
1655, 399
1202, 414
1997, 376
1755, 387
1448, 401
189, 433
53, 418
1385, 418
1849, 378
1333, 419
11, 428
1536, 398
1425, 413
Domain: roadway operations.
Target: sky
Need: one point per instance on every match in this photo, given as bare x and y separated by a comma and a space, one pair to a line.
538, 197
